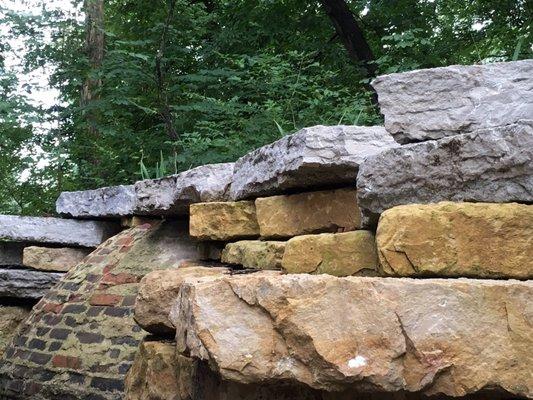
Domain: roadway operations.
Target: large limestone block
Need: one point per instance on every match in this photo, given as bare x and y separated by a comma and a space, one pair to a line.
319, 156
433, 336
53, 259
106, 202
10, 318
223, 220
478, 240
159, 289
304, 213
26, 284
11, 253
172, 195
158, 373
254, 254
339, 254
492, 165
56, 230
438, 102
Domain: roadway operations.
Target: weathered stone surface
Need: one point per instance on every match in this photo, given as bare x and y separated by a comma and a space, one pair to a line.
478, 240
438, 102
26, 284
492, 165
10, 318
56, 230
320, 156
254, 254
434, 336
159, 289
106, 202
53, 259
158, 373
11, 253
339, 254
172, 195
304, 213
223, 220
154, 374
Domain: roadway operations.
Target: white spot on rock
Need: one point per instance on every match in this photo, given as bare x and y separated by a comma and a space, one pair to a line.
357, 362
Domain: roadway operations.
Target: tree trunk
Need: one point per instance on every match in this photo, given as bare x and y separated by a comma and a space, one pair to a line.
350, 33
165, 112
94, 48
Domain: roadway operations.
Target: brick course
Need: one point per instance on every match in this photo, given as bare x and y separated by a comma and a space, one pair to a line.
80, 339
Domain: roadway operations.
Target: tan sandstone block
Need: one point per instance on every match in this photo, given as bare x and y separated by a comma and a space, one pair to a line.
223, 220
339, 254
157, 291
154, 373
254, 254
305, 213
444, 337
160, 373
53, 259
457, 239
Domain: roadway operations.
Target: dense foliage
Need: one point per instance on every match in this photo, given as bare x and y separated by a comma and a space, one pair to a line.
185, 83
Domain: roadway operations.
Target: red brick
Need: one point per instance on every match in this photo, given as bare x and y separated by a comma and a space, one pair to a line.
52, 307
125, 241
76, 298
60, 361
119, 279
108, 268
103, 299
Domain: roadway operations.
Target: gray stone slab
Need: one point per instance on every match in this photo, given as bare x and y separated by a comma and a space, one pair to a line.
172, 195
316, 157
491, 165
435, 103
56, 230
107, 202
11, 253
26, 284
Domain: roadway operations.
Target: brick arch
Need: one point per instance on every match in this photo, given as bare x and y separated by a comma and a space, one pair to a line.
80, 339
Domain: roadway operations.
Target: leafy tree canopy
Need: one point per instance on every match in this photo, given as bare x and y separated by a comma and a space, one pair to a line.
188, 82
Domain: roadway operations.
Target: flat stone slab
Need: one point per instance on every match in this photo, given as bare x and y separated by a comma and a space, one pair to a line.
479, 240
439, 102
56, 230
256, 254
25, 283
174, 194
310, 212
223, 221
491, 165
107, 202
11, 253
430, 336
339, 254
316, 157
60, 259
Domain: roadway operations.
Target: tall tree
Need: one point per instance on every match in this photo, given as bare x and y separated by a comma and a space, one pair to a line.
350, 33
94, 48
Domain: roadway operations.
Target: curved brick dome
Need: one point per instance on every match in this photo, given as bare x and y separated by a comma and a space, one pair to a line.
80, 339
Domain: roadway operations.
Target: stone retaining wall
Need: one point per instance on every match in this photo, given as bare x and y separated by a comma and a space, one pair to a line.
336, 263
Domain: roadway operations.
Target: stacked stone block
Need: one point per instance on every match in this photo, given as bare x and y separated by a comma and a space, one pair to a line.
355, 263
410, 279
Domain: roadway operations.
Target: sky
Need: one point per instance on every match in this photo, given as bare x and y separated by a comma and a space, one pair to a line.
41, 94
